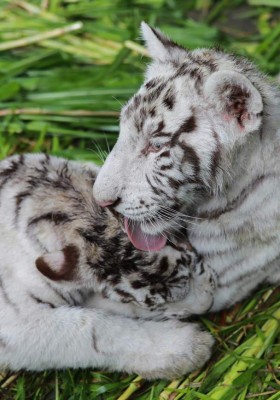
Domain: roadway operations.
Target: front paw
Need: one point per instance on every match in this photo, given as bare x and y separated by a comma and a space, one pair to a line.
178, 349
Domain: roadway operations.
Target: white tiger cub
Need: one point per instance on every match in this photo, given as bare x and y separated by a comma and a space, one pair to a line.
64, 259
199, 146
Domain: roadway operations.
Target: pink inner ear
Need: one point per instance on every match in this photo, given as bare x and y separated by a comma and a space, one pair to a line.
240, 118
237, 109
237, 103
245, 116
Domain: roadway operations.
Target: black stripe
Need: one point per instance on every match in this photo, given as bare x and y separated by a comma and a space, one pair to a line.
158, 131
189, 125
175, 183
125, 296
19, 198
152, 112
166, 167
163, 265
152, 96
53, 216
209, 64
94, 235
138, 284
156, 190
58, 293
151, 83
161, 174
94, 341
165, 41
40, 301
9, 172
190, 156
169, 100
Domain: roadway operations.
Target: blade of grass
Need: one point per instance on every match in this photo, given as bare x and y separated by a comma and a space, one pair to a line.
132, 388
27, 41
256, 347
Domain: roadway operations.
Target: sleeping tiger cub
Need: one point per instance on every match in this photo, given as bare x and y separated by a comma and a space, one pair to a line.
73, 288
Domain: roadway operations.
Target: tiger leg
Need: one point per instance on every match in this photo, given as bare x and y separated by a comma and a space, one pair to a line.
42, 337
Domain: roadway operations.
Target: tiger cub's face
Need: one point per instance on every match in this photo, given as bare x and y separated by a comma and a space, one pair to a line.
176, 135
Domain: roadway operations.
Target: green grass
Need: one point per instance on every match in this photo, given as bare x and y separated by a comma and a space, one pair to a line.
66, 67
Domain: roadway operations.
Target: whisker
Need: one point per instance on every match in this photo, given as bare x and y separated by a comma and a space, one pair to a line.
108, 147
172, 216
156, 225
177, 229
99, 152
167, 231
169, 209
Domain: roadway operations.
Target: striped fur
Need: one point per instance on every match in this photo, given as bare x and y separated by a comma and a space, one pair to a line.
73, 288
197, 153
199, 147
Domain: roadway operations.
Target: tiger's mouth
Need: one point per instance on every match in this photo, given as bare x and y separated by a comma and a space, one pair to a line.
146, 234
142, 240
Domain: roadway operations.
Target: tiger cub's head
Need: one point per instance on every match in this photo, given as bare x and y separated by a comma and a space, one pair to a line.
177, 135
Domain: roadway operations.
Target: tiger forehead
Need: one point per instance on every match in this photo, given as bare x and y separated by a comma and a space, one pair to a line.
196, 67
149, 123
144, 101
161, 93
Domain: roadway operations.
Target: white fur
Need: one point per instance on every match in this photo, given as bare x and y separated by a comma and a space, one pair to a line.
242, 243
48, 324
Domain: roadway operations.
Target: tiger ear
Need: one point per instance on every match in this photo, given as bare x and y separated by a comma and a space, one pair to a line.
59, 265
235, 98
159, 46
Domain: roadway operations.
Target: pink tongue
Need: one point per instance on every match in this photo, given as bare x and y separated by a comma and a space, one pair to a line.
141, 240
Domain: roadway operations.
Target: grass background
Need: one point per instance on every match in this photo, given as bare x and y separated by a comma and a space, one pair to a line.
66, 67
